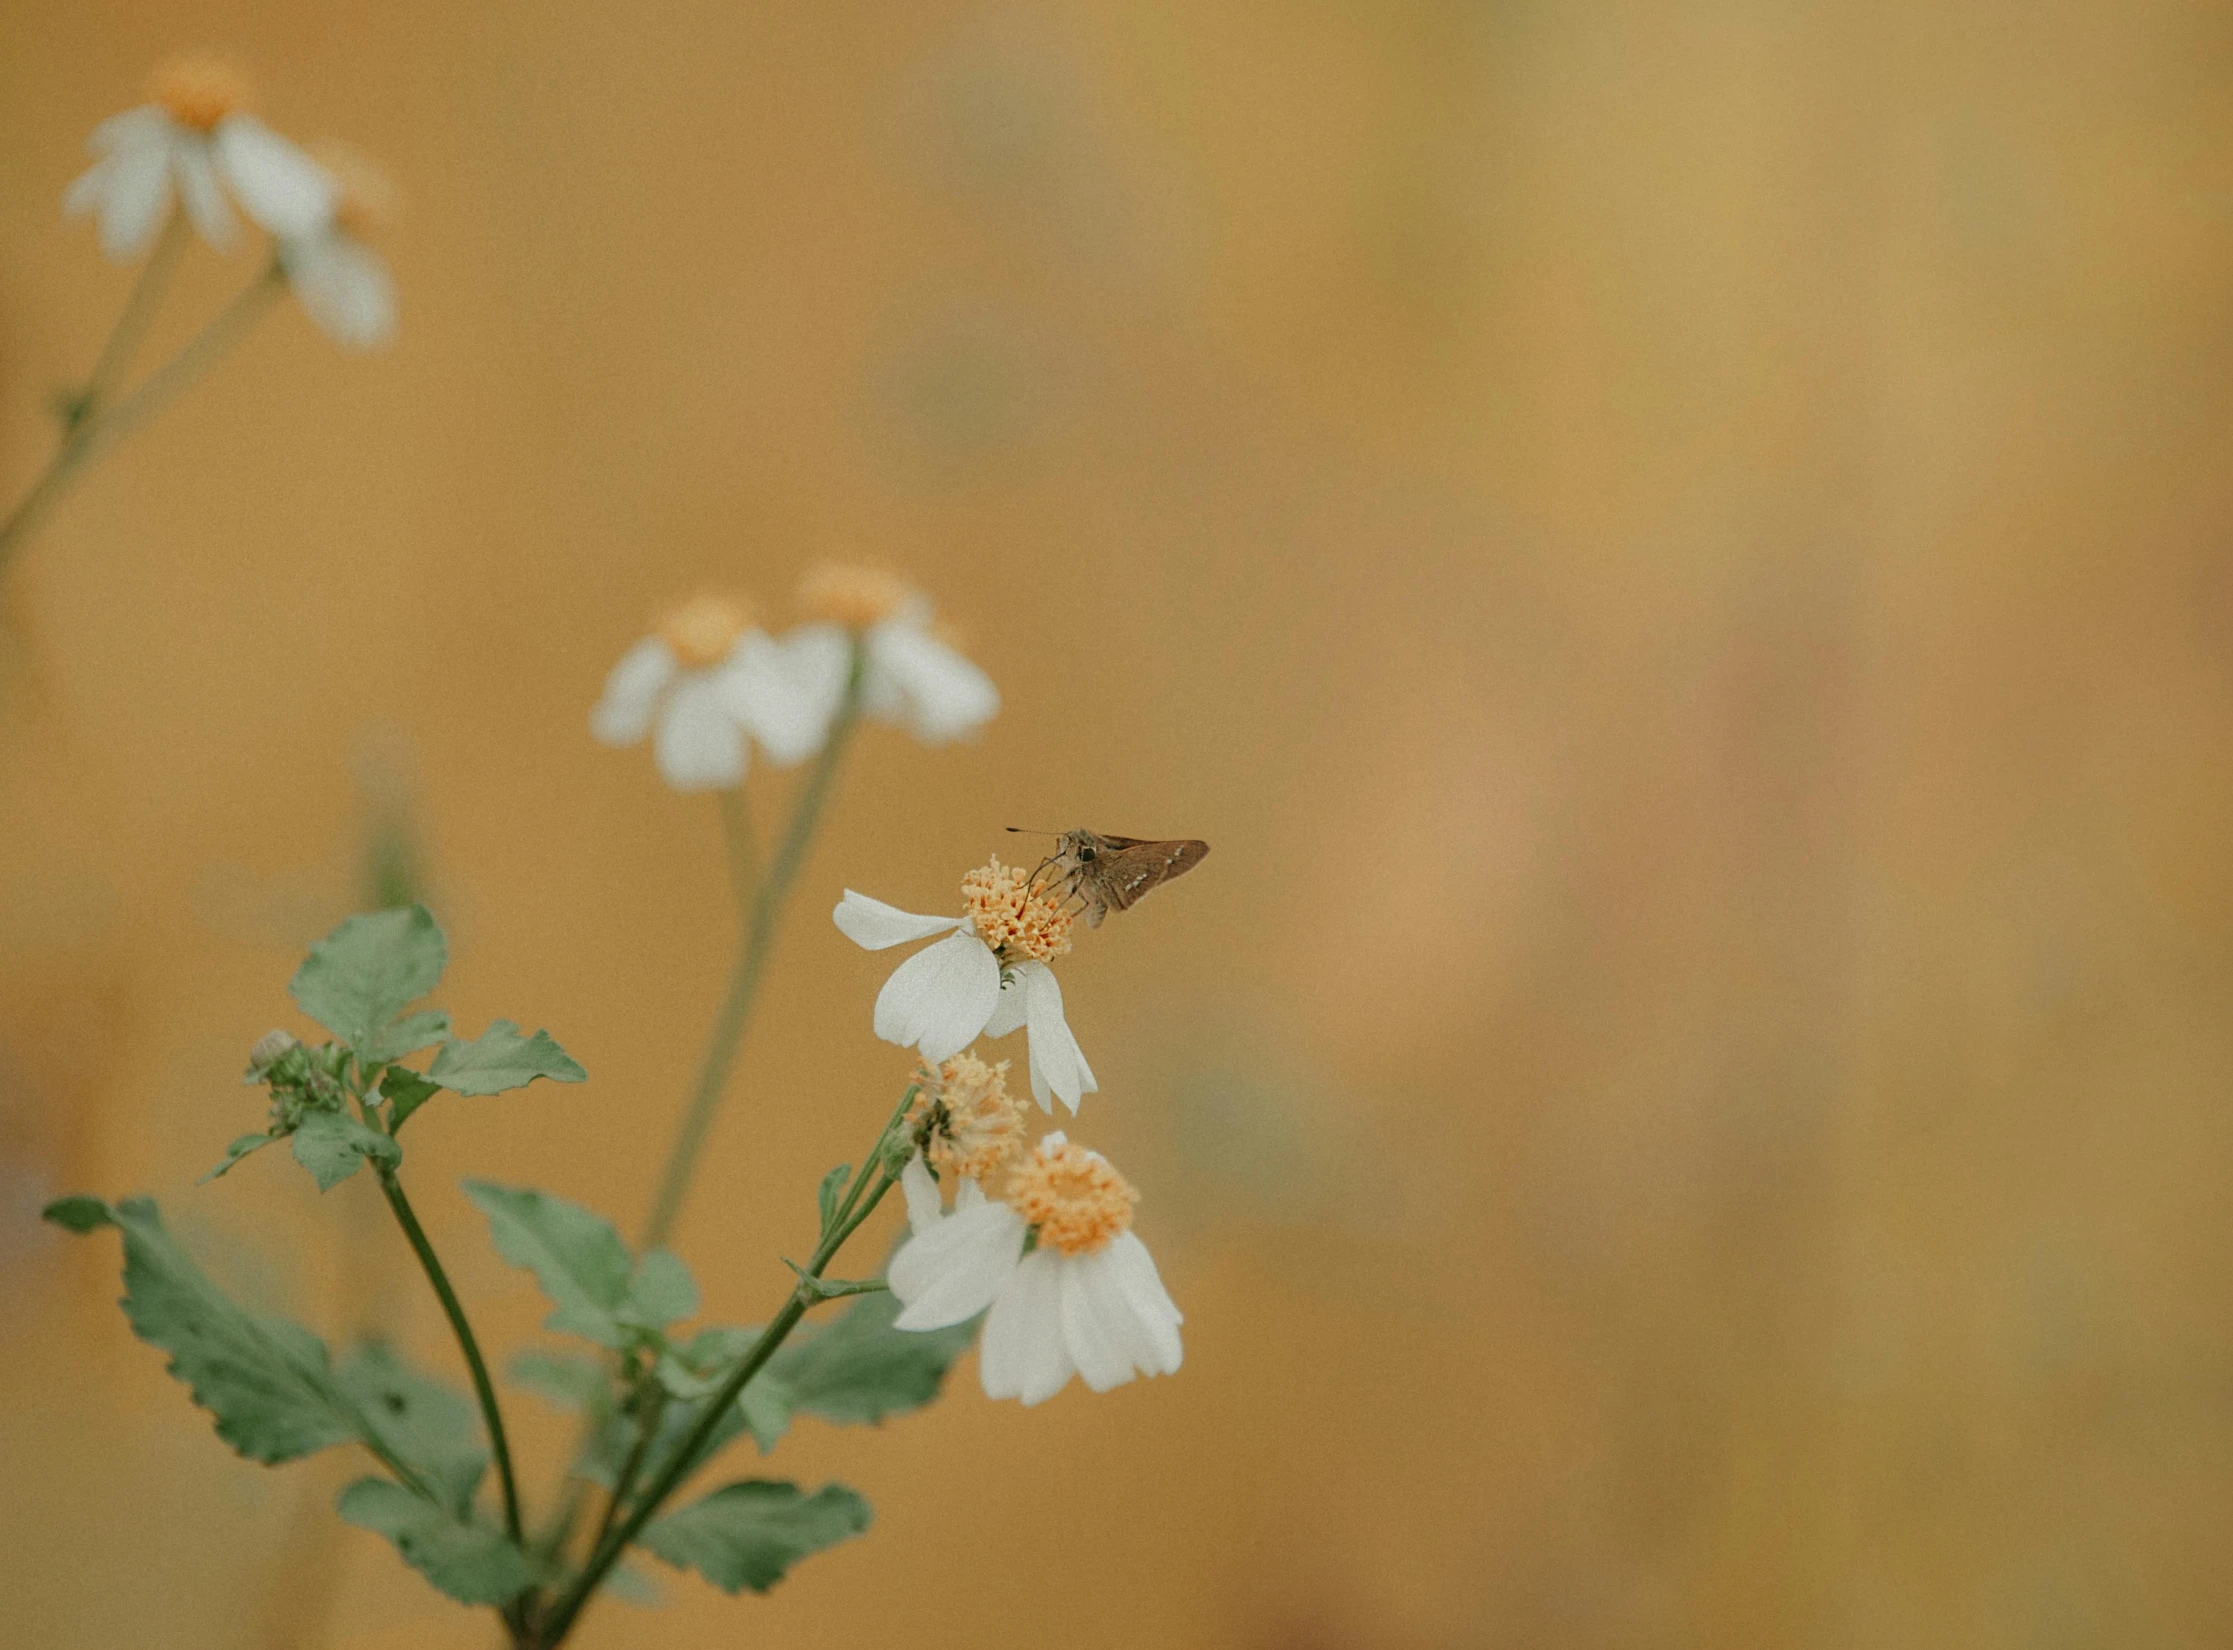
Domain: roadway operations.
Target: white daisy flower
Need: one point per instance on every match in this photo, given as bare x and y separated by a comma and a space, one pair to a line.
988, 977
1086, 1298
195, 136
704, 683
909, 678
343, 285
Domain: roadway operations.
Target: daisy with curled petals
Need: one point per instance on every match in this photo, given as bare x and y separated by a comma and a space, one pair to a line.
701, 685
194, 136
909, 678
342, 284
1082, 1297
988, 977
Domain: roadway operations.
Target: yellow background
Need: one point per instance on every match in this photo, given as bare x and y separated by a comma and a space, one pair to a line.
1678, 553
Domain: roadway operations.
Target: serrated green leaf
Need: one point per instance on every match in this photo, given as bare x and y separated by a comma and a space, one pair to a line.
559, 1378
366, 972
431, 1425
858, 1368
470, 1561
409, 1034
241, 1146
631, 1586
331, 1144
749, 1534
660, 1292
575, 1255
78, 1213
831, 1193
500, 1059
268, 1382
407, 1091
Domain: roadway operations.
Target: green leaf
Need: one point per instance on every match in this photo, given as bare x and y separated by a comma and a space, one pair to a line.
558, 1378
660, 1293
408, 1090
575, 1255
631, 1586
831, 1194
749, 1534
364, 973
470, 1561
268, 1382
500, 1059
80, 1214
859, 1368
422, 1421
242, 1145
330, 1144
410, 1034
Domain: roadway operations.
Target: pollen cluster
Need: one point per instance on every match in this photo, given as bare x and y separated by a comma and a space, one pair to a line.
703, 630
1019, 920
967, 1121
199, 89
1074, 1199
855, 597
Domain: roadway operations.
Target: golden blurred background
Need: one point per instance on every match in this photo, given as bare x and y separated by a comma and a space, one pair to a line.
1679, 554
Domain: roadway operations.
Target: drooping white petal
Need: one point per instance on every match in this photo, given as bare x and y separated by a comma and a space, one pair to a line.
1085, 1336
201, 194
1009, 1015
925, 1209
344, 287
277, 185
699, 745
952, 1272
817, 658
623, 715
87, 188
135, 195
765, 697
1057, 1063
1128, 1264
1023, 1355
968, 1195
939, 999
148, 123
872, 925
917, 680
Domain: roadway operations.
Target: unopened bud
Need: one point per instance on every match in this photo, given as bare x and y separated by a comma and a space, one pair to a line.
271, 1048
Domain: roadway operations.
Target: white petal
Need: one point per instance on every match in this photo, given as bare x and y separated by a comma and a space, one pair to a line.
951, 1273
939, 999
344, 287
88, 188
201, 194
941, 694
1009, 1015
1053, 1141
1057, 1063
924, 1207
1126, 1266
968, 1195
765, 697
699, 745
1088, 1340
623, 715
135, 197
1023, 1355
872, 925
817, 659
149, 123
277, 184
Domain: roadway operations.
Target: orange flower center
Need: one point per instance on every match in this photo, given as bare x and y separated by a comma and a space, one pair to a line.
1018, 919
1075, 1200
968, 1122
703, 630
199, 89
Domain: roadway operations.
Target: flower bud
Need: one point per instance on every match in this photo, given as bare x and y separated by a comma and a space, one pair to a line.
271, 1048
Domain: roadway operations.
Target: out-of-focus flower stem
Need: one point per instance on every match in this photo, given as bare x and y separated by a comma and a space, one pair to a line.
89, 428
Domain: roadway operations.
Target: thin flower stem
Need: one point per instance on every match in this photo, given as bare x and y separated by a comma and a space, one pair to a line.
744, 984
93, 432
483, 1388
131, 324
686, 1457
647, 1429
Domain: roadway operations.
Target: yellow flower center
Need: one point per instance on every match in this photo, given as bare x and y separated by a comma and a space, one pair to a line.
199, 89
1075, 1200
1018, 919
855, 597
967, 1121
703, 630
364, 195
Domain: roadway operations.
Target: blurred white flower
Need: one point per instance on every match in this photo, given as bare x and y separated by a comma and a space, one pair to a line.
195, 136
1087, 1298
909, 677
988, 977
702, 685
343, 285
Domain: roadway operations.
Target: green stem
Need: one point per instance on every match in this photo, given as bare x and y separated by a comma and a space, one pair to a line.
131, 325
752, 956
483, 1388
647, 1429
685, 1458
92, 431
